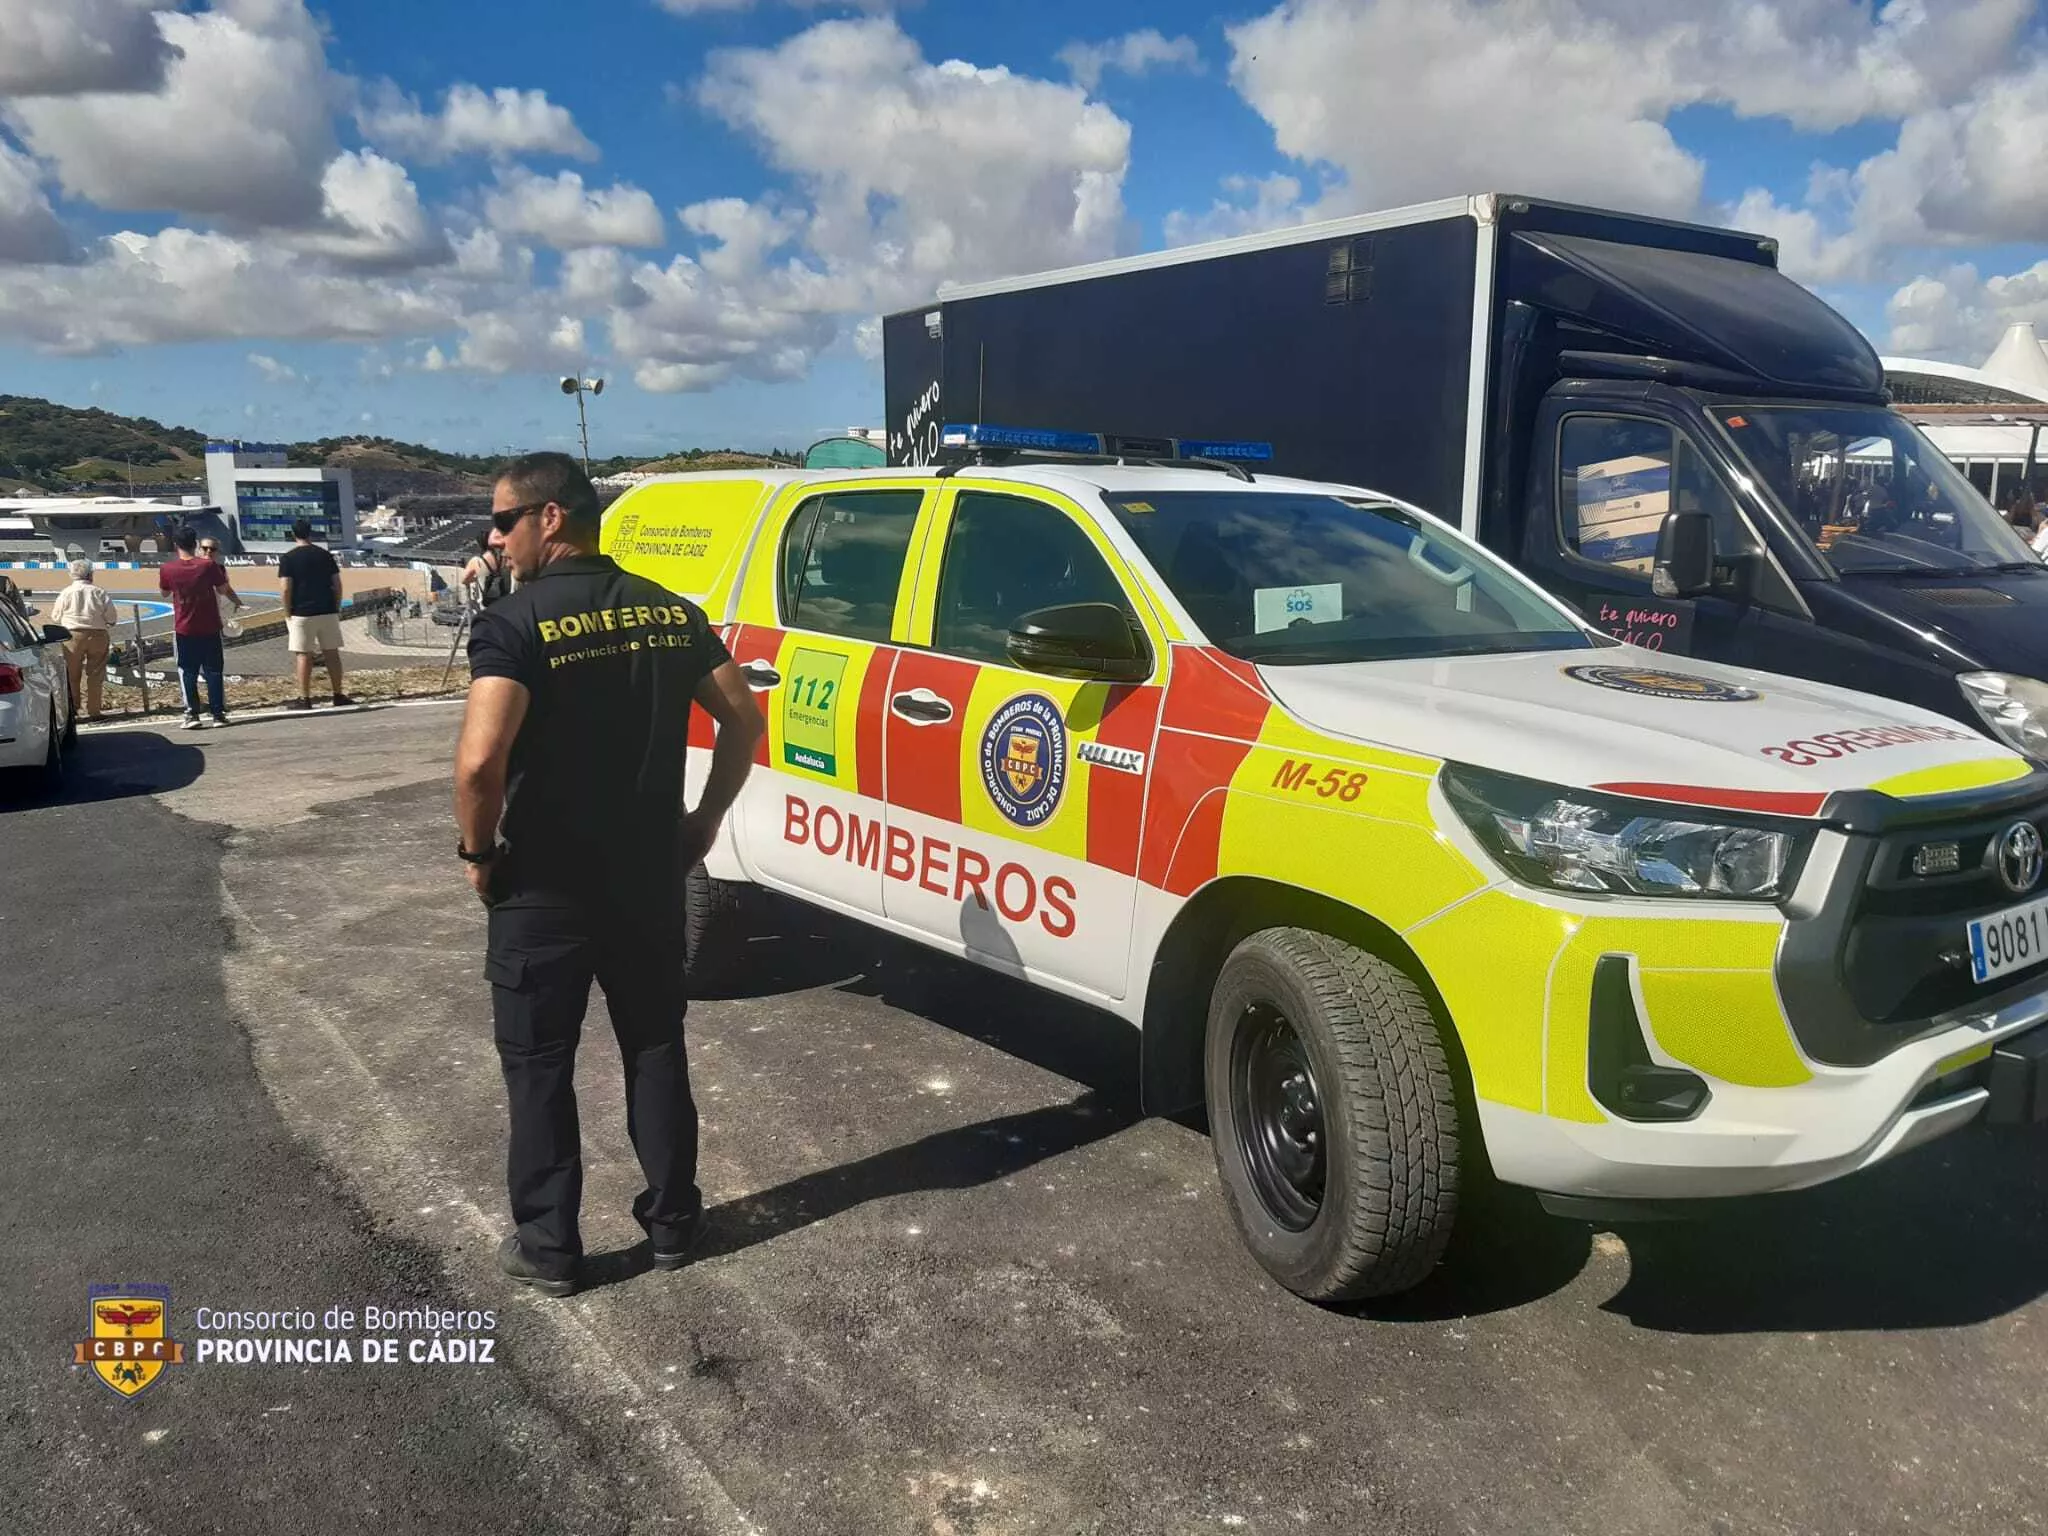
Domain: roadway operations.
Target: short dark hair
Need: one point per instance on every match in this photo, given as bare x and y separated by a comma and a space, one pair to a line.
186, 538
555, 477
302, 529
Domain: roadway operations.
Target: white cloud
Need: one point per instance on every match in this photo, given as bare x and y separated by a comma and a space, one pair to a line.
558, 211
1959, 316
370, 216
595, 277
1413, 99
685, 329
273, 371
186, 285
922, 173
29, 231
240, 129
1135, 53
472, 121
1250, 207
908, 174
525, 339
747, 234
60, 47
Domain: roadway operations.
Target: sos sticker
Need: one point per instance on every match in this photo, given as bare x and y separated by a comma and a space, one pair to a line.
1663, 685
1024, 759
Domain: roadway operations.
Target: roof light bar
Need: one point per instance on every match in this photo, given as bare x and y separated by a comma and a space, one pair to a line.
983, 435
1223, 448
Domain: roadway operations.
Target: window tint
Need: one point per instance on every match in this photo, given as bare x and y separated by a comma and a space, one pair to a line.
842, 560
1618, 477
1005, 557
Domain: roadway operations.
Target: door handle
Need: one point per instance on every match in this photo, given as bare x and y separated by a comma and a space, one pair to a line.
921, 706
760, 675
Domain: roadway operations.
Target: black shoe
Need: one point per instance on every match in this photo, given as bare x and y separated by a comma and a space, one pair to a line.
343, 701
298, 704
676, 1257
513, 1261
219, 721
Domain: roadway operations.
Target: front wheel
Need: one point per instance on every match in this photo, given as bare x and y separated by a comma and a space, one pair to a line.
1332, 1116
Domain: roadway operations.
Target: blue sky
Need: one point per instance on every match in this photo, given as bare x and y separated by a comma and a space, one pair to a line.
258, 219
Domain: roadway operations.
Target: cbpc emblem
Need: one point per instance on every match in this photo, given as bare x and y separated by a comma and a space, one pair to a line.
2020, 857
1651, 683
1024, 759
130, 1346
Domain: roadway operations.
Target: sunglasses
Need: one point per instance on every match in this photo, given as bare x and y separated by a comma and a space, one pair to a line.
508, 519
209, 549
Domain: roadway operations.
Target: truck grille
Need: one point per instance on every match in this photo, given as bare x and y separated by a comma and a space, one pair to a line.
1906, 957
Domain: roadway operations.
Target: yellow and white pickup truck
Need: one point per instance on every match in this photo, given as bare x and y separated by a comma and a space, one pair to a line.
1395, 863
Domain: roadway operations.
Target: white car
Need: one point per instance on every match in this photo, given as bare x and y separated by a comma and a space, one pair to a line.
37, 719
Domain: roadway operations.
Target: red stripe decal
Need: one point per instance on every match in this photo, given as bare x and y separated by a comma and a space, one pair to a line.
1116, 800
923, 761
1183, 822
1775, 802
1216, 694
755, 642
869, 724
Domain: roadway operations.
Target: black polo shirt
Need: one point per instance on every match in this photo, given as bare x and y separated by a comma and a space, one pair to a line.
612, 662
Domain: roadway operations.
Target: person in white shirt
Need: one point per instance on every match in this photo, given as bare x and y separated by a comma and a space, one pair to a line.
88, 613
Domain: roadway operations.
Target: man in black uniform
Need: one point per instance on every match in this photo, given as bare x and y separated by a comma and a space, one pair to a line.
575, 732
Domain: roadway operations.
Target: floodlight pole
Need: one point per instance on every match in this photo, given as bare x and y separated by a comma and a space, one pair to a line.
579, 387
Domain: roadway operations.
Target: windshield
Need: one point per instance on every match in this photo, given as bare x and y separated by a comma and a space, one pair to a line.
1282, 578
1871, 493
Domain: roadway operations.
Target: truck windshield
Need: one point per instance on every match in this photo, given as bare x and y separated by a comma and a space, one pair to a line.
1281, 578
1872, 494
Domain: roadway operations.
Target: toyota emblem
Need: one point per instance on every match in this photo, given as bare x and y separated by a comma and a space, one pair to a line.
2019, 857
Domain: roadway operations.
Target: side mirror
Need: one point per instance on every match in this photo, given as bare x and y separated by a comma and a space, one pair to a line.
55, 634
1685, 555
1092, 641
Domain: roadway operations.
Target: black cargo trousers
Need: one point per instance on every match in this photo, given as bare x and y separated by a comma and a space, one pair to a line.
549, 939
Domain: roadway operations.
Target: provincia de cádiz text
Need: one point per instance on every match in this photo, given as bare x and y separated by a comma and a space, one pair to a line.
342, 1335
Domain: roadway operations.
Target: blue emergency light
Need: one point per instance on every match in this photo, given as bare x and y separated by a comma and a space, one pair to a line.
977, 436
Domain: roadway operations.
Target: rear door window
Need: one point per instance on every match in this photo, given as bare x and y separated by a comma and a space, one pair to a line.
842, 562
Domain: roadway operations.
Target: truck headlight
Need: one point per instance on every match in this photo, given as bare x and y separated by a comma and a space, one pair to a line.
2015, 709
1573, 840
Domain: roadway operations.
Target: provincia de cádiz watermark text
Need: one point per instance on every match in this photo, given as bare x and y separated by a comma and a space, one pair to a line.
343, 1335
132, 1345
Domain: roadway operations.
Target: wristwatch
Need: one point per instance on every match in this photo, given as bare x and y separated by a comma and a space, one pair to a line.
487, 856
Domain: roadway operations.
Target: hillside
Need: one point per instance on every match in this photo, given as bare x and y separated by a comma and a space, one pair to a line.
62, 448
54, 446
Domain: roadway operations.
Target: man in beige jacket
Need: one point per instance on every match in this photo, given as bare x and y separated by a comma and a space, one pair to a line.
88, 613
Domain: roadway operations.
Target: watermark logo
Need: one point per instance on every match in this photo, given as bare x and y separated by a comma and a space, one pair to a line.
130, 1347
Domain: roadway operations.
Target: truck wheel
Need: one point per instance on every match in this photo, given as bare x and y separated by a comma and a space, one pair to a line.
1332, 1115
714, 913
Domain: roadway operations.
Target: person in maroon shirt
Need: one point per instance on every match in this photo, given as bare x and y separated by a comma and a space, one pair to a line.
193, 583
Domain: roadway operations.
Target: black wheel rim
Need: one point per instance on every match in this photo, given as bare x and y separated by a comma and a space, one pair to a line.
1279, 1116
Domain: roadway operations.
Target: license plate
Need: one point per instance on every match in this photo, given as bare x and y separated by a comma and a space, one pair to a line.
2010, 940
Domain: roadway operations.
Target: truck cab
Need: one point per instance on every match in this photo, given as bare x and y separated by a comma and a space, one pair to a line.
1822, 538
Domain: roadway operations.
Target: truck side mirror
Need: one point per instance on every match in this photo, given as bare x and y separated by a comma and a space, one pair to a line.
1685, 555
1093, 641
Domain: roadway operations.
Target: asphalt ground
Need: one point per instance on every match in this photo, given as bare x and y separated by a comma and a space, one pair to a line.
955, 1284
